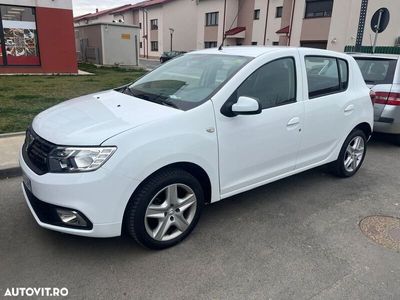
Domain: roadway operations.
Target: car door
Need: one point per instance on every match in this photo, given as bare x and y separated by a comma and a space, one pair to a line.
255, 149
328, 107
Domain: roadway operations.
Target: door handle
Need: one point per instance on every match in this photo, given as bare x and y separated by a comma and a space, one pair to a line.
349, 108
293, 122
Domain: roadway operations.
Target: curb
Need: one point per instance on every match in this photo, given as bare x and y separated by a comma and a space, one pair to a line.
10, 172
11, 134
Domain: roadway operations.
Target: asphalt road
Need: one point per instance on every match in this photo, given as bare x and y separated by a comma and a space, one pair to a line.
294, 239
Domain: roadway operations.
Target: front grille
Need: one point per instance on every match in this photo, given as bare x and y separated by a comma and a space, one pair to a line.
36, 152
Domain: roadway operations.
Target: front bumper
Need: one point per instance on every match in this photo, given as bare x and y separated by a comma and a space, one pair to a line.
101, 196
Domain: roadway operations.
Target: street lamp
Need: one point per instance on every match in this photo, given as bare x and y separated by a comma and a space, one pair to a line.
171, 31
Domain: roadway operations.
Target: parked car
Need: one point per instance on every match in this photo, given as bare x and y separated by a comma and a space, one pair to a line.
204, 127
170, 55
382, 75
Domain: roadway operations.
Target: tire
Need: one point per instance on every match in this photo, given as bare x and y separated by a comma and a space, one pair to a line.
341, 167
155, 218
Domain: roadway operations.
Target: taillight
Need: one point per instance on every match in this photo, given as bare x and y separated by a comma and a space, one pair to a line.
393, 99
387, 98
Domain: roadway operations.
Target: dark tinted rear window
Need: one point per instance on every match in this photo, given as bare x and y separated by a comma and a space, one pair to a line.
377, 70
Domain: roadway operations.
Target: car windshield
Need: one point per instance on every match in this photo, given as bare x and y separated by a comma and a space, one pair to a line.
377, 70
187, 81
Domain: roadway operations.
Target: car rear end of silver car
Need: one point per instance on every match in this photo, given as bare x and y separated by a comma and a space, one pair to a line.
382, 76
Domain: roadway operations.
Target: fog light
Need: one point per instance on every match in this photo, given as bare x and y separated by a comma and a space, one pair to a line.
71, 217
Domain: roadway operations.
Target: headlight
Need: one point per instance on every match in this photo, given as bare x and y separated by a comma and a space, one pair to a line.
79, 159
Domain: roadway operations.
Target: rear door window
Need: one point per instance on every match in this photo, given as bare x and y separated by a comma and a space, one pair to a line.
377, 70
326, 75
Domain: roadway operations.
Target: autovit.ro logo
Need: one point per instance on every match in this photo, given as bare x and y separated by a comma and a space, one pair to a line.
36, 292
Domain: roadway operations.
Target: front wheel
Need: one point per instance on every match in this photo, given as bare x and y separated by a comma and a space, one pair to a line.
351, 155
165, 209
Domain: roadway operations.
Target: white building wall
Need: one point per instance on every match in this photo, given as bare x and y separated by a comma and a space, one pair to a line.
259, 25
345, 16
274, 23
207, 6
184, 25
298, 17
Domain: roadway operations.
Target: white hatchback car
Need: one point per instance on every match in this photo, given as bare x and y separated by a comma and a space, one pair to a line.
205, 126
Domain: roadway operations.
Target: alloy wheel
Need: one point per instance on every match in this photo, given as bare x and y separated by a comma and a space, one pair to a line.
170, 212
354, 154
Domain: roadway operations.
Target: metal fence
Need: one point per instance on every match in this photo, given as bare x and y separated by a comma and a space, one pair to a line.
368, 49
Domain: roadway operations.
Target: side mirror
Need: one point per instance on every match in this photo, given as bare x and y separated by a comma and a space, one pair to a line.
246, 106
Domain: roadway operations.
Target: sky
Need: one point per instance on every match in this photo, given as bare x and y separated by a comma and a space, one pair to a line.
89, 6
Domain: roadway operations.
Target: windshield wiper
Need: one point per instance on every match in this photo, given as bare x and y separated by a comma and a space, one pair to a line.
167, 103
159, 99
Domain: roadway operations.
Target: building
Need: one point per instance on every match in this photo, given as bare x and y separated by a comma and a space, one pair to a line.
108, 44
333, 24
37, 36
186, 25
104, 16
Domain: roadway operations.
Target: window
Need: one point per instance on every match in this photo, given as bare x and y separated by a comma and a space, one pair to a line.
326, 75
256, 14
154, 46
318, 8
210, 44
273, 84
140, 44
377, 70
154, 24
275, 43
18, 36
140, 25
189, 80
278, 13
254, 43
344, 74
212, 19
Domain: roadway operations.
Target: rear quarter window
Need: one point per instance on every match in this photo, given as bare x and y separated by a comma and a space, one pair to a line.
377, 70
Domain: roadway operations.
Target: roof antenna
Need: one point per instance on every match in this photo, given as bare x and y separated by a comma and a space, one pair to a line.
223, 40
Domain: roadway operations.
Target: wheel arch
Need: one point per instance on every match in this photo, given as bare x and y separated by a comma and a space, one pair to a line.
194, 169
365, 127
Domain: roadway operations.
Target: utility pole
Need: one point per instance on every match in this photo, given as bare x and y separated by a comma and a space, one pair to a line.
266, 23
171, 31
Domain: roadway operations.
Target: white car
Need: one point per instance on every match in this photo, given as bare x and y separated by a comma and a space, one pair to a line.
381, 73
198, 129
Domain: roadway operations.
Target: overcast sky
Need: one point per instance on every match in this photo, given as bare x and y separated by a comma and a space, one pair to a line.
89, 6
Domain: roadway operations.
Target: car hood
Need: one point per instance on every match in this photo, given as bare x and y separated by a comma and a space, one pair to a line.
92, 119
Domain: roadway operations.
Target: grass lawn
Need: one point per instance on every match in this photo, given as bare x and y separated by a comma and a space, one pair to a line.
23, 97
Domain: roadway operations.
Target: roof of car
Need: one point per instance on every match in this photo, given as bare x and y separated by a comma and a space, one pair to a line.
254, 51
377, 55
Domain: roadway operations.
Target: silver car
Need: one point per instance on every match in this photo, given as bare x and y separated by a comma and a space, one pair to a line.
381, 73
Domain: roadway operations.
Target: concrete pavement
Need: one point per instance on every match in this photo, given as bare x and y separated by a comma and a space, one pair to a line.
9, 148
297, 238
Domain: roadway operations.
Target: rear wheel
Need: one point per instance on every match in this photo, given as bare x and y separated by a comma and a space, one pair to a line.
351, 155
165, 209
